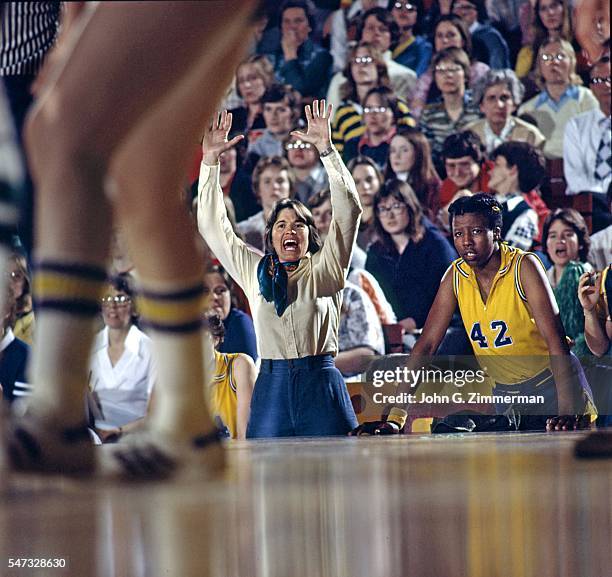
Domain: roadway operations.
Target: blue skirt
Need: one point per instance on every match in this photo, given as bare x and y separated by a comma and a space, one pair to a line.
300, 398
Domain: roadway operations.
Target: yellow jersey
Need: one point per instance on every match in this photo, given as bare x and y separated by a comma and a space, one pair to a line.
222, 393
502, 332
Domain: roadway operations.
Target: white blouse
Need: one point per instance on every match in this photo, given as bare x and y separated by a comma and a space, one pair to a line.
122, 391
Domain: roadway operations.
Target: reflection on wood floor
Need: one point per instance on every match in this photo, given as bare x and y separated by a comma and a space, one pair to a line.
485, 505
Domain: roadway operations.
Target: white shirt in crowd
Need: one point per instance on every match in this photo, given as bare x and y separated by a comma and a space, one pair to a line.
582, 137
600, 253
122, 391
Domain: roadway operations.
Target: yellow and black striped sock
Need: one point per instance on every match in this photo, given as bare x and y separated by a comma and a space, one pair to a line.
174, 322
73, 289
67, 302
172, 312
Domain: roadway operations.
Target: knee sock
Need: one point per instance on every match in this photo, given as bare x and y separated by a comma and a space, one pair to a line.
67, 301
173, 317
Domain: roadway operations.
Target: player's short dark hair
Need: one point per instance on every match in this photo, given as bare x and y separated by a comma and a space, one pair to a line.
529, 161
480, 203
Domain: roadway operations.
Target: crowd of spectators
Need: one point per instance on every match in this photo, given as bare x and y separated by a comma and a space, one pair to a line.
432, 100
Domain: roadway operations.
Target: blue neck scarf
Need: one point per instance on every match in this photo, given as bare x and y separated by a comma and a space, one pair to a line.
273, 279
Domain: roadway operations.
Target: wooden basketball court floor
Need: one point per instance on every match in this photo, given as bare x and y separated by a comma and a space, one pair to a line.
478, 505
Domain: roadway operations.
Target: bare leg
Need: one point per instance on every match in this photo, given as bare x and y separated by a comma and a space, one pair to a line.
127, 57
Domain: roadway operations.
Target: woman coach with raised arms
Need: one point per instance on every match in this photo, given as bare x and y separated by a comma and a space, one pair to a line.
295, 290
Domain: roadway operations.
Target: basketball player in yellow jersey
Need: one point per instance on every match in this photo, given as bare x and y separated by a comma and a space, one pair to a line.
231, 388
510, 315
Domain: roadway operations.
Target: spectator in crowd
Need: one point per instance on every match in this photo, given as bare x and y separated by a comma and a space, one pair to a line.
566, 241
280, 112
518, 169
21, 291
239, 332
253, 77
411, 255
366, 70
551, 21
360, 334
600, 254
412, 50
122, 367
272, 181
231, 388
379, 30
587, 158
14, 352
449, 31
489, 45
506, 16
465, 166
456, 110
236, 182
298, 61
343, 29
321, 208
499, 93
382, 114
561, 96
595, 296
410, 161
368, 181
310, 175
320, 205
436, 10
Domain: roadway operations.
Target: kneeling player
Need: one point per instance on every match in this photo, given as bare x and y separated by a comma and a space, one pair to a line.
512, 319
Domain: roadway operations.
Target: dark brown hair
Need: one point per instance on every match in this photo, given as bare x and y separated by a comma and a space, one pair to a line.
456, 55
573, 219
264, 67
348, 90
423, 174
403, 192
279, 162
304, 215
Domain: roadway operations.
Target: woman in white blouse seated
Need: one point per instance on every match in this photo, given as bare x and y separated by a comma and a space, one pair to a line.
294, 291
122, 368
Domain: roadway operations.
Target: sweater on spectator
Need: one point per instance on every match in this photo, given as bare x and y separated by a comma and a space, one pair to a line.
13, 360
516, 130
414, 53
411, 280
348, 122
552, 116
309, 73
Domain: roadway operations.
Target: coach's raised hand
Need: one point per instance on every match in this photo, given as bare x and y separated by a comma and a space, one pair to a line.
318, 131
214, 140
